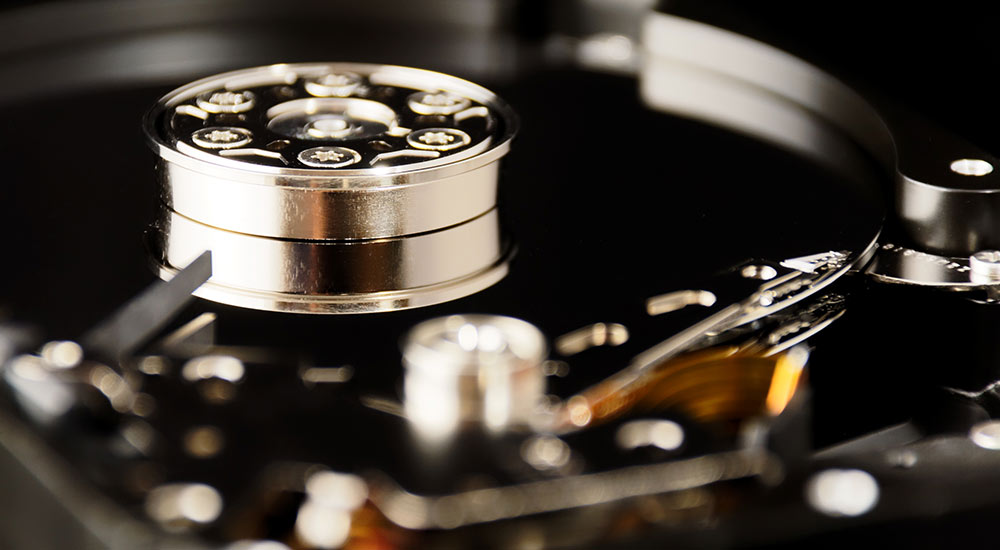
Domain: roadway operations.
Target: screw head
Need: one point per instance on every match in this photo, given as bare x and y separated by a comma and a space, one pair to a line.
226, 102
436, 103
333, 85
221, 137
438, 139
329, 157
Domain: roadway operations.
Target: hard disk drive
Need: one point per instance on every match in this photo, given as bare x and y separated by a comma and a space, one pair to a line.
495, 274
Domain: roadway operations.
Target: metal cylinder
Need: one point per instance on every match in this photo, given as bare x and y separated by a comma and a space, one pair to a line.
332, 187
478, 369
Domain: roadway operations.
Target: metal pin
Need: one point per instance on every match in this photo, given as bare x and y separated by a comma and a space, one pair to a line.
326, 375
404, 153
597, 334
673, 301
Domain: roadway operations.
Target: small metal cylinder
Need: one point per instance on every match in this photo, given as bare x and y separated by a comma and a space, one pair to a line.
479, 369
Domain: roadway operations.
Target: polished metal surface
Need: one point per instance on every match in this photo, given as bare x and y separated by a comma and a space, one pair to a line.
985, 265
337, 276
902, 265
333, 151
332, 188
482, 369
947, 196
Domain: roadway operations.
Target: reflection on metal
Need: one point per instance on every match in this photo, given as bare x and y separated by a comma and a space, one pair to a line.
985, 265
597, 334
191, 110
338, 276
204, 441
901, 265
770, 297
196, 333
250, 151
761, 272
180, 506
226, 102
804, 324
472, 112
326, 375
257, 545
902, 458
812, 262
324, 519
609, 52
116, 389
553, 367
484, 505
39, 391
945, 206
62, 354
153, 365
484, 369
138, 435
223, 367
383, 405
545, 452
664, 434
336, 490
986, 435
714, 75
436, 103
405, 153
842, 493
891, 437
785, 379
333, 84
673, 301
971, 167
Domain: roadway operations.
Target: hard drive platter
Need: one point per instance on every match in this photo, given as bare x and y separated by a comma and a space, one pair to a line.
486, 274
